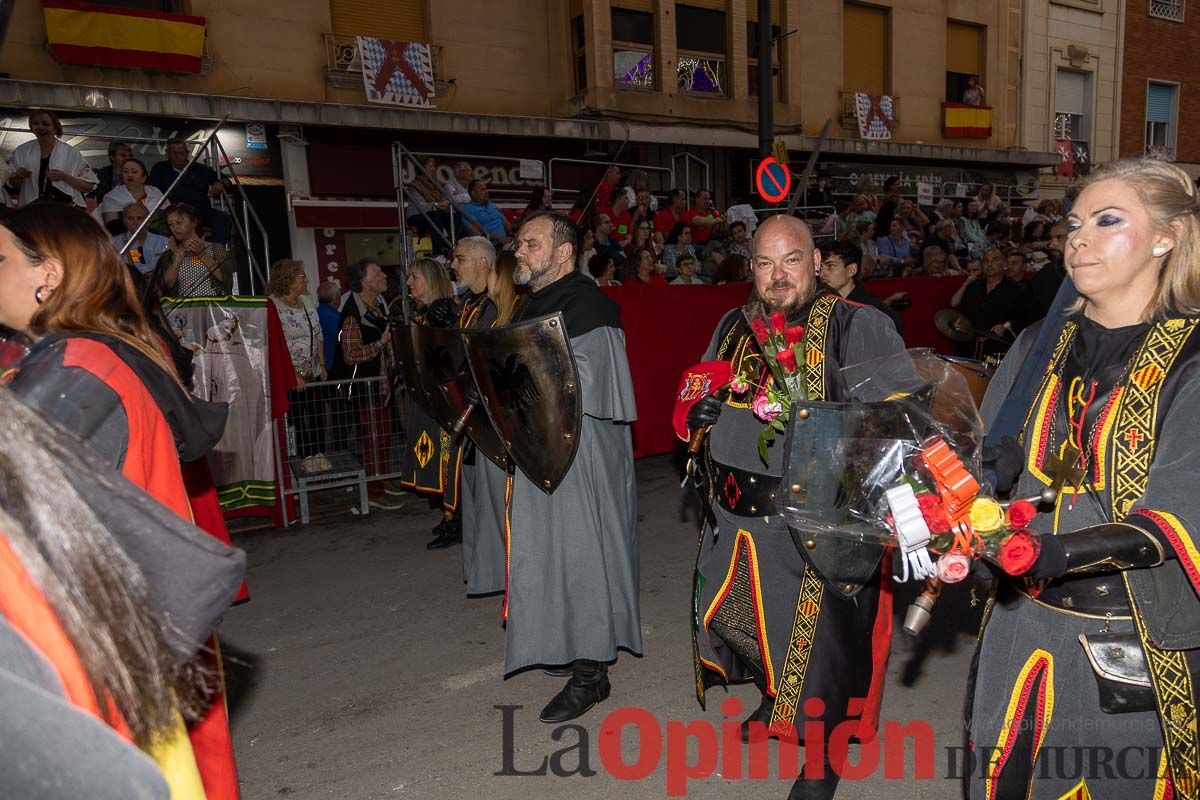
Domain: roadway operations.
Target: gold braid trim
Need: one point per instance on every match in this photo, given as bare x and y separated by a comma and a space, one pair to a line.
808, 605
1056, 359
1133, 447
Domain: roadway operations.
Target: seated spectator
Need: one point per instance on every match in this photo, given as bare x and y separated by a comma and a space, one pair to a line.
642, 237
945, 236
739, 239
1035, 238
328, 295
602, 234
989, 202
912, 215
999, 234
944, 209
195, 268
835, 224
1015, 265
603, 270
666, 220
638, 190
935, 261
974, 267
859, 210
197, 189
47, 168
489, 220
429, 208
896, 252
702, 217
679, 241
643, 269
993, 304
1045, 282
686, 267
839, 268
622, 220
133, 190
110, 177
716, 251
1043, 211
539, 200
587, 248
818, 192
143, 254
973, 95
642, 211
743, 212
972, 230
734, 269
456, 188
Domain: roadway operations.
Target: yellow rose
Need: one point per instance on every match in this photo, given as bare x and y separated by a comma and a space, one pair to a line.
986, 515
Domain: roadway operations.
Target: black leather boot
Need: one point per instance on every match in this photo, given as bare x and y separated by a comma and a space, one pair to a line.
816, 789
450, 534
763, 712
588, 686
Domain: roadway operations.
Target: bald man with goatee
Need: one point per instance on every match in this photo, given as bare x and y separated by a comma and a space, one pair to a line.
762, 610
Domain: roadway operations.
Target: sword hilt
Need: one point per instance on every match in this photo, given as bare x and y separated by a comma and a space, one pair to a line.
920, 611
460, 424
696, 440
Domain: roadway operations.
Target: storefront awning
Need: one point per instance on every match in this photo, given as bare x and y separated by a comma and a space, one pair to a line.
342, 214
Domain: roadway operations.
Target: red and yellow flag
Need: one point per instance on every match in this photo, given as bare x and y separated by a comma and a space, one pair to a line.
107, 36
968, 122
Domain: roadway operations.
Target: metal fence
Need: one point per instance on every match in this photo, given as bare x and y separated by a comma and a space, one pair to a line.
340, 435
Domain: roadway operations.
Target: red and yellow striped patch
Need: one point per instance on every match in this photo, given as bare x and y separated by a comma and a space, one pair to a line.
1147, 376
109, 36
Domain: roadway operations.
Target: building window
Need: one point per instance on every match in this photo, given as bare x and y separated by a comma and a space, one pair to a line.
633, 48
700, 41
964, 59
579, 51
866, 51
1167, 9
1161, 105
1073, 116
752, 48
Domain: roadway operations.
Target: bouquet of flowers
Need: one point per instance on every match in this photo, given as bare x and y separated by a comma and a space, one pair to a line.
783, 355
899, 467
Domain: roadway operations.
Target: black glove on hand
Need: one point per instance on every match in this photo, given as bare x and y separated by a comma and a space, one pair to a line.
1051, 561
1006, 461
470, 393
705, 413
441, 314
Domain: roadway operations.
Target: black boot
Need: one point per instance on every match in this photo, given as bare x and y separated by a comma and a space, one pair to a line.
587, 687
450, 534
761, 714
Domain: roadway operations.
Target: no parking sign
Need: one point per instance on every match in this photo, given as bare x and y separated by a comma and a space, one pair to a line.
772, 180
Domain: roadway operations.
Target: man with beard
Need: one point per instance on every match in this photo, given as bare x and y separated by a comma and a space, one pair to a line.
762, 611
572, 597
1044, 285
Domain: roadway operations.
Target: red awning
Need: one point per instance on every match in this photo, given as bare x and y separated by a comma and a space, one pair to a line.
314, 213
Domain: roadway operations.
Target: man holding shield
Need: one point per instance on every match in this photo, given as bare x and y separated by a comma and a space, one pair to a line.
809, 625
571, 597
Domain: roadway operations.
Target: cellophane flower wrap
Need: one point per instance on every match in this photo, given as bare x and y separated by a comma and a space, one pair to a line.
900, 463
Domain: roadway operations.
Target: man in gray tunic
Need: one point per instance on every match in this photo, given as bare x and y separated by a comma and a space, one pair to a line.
762, 610
572, 594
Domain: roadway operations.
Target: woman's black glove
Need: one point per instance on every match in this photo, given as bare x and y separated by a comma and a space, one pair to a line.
441, 314
705, 413
1005, 462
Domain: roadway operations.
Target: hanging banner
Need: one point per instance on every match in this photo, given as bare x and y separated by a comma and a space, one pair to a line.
397, 73
228, 340
875, 115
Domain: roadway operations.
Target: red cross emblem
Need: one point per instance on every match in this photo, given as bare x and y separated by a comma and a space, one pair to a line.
394, 61
733, 493
1134, 438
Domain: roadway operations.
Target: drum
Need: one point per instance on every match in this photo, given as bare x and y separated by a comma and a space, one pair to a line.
976, 373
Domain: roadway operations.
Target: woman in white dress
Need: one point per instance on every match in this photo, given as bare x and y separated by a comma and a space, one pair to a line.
47, 168
132, 190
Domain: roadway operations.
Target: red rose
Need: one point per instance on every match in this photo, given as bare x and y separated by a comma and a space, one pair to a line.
778, 322
1019, 551
760, 329
1020, 514
934, 513
793, 336
787, 359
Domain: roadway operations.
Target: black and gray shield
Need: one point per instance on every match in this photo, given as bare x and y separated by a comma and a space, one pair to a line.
409, 368
528, 382
839, 460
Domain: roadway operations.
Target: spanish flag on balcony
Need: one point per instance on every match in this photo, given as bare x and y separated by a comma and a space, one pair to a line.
108, 36
967, 122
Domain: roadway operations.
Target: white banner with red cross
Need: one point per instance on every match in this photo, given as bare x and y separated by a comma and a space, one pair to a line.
876, 114
397, 73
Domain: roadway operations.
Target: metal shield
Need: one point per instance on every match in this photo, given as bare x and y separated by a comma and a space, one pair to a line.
402, 340
839, 460
439, 357
478, 427
529, 385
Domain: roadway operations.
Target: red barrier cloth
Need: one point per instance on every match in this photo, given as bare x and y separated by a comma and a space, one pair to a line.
667, 329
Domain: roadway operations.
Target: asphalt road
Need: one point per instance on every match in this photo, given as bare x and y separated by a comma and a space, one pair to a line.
360, 670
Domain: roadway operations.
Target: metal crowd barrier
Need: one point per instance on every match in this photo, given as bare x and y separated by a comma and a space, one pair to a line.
340, 435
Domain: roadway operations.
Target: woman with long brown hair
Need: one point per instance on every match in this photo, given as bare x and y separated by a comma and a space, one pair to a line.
97, 368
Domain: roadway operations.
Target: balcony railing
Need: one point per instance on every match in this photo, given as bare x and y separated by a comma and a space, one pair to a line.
1167, 9
343, 67
850, 112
